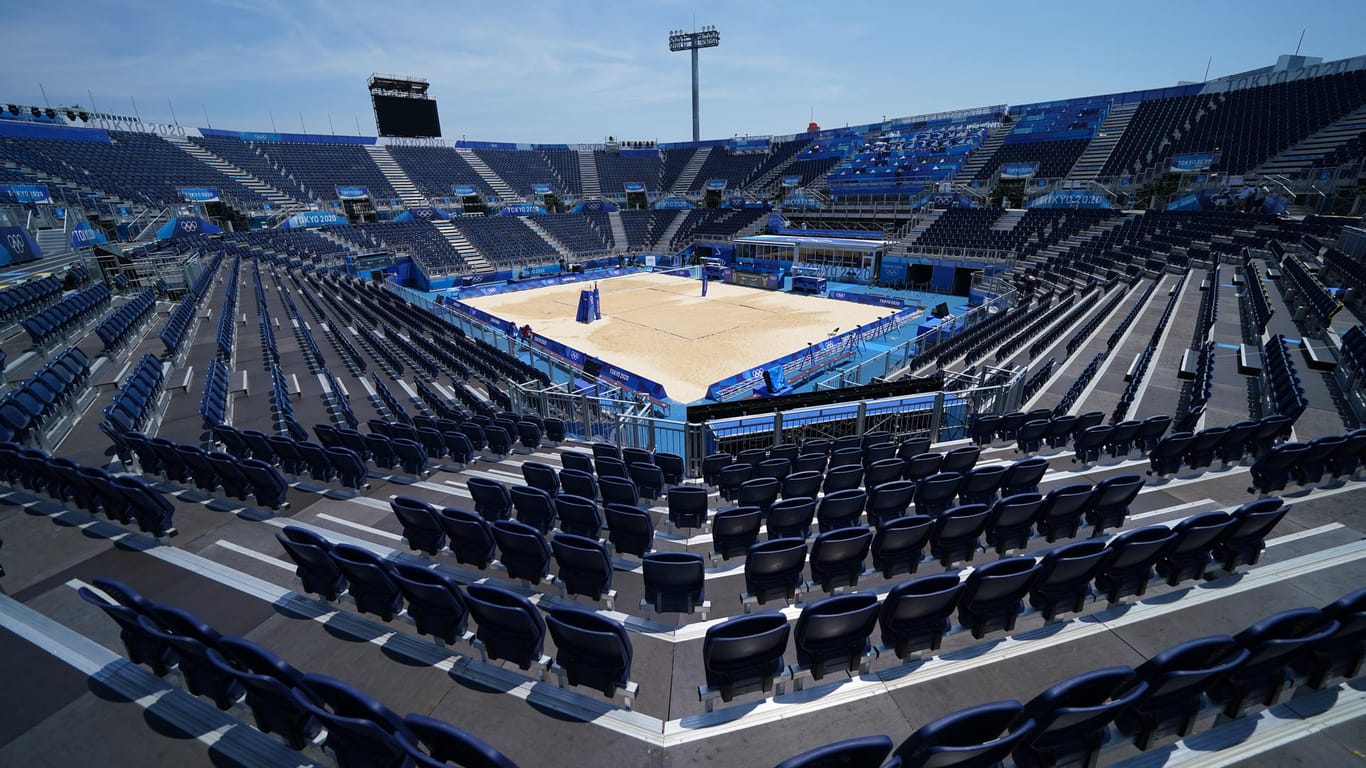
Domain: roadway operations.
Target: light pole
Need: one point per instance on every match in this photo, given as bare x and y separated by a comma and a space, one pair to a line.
693, 41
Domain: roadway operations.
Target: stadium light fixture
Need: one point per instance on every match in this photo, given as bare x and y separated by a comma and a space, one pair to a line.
707, 37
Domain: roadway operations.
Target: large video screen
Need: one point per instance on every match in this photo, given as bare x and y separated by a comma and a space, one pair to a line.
406, 117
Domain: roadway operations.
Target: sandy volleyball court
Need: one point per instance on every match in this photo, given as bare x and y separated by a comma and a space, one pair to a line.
660, 327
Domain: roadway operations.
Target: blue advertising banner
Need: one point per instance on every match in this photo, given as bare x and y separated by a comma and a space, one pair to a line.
791, 181
464, 190
716, 183
1194, 162
423, 214
868, 298
541, 189
634, 186
17, 247
24, 193
352, 193
1070, 198
522, 209
801, 202
672, 204
186, 226
749, 144
313, 219
595, 206
85, 235
1018, 170
199, 194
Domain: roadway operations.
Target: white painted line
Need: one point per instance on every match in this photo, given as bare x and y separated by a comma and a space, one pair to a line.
253, 554
360, 527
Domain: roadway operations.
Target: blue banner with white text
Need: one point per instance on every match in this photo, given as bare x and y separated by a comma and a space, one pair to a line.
24, 193
716, 183
313, 219
352, 193
17, 247
541, 189
1193, 162
1070, 198
464, 190
199, 194
1018, 170
84, 236
634, 186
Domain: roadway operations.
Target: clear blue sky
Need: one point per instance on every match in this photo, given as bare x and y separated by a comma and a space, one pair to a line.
579, 71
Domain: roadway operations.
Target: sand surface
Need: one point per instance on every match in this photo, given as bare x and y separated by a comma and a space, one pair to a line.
660, 327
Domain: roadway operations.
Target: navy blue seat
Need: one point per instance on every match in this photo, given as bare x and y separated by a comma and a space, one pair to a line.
267, 484
381, 449
492, 500
983, 735
469, 535
370, 580
712, 464
759, 492
620, 490
1313, 463
745, 653
1065, 575
191, 638
578, 515
197, 462
1203, 446
630, 530
508, 626
458, 446
648, 478
143, 647
773, 569
431, 743
1272, 471
791, 518
577, 460
956, 534
899, 544
1188, 557
1235, 443
594, 651
840, 509
152, 510
321, 466
981, 484
1031, 436
1133, 555
499, 440
1244, 540
1110, 503
1071, 717
538, 475
421, 524
1063, 509
412, 457
993, 594
360, 730
291, 459
837, 557
961, 459
1023, 476
1177, 679
316, 569
579, 483
672, 467
1341, 653
269, 682
584, 567
889, 500
734, 530
861, 752
1011, 523
915, 614
1169, 453
349, 466
842, 478
1272, 645
802, 483
522, 550
832, 633
883, 471
610, 466
935, 494
435, 603
687, 506
674, 581
534, 507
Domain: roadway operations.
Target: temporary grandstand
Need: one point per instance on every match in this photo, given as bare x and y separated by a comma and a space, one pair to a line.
306, 457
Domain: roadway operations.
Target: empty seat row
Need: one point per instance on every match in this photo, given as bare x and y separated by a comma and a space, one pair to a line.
1335, 456
54, 323
207, 470
1281, 385
116, 329
28, 407
137, 396
297, 707
213, 403
1074, 720
593, 650
123, 498
25, 299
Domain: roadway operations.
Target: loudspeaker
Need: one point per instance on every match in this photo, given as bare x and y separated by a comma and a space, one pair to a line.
941, 311
591, 366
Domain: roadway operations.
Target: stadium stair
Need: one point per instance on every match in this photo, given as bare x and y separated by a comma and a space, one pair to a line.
504, 190
1008, 220
1303, 155
618, 230
404, 186
52, 241
559, 247
671, 230
995, 138
690, 171
588, 174
1098, 151
277, 199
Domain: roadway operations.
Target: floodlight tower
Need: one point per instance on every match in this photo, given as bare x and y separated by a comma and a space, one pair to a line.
679, 40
